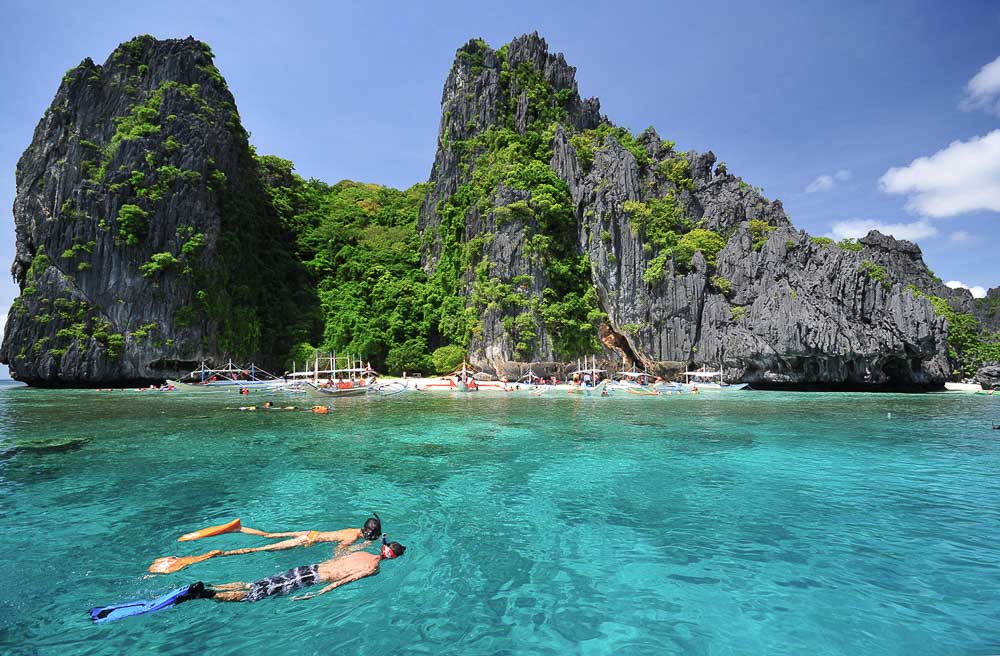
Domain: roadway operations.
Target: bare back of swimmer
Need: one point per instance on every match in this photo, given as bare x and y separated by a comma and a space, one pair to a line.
335, 572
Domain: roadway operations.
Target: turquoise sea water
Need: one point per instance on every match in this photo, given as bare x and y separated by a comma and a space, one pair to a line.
745, 523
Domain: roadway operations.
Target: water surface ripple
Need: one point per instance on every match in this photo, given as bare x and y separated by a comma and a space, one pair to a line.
744, 523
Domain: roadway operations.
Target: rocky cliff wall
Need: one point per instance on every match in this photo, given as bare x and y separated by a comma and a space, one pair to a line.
147, 241
772, 306
133, 225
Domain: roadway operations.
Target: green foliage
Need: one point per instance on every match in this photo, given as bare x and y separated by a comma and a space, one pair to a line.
969, 344
722, 285
631, 328
143, 331
39, 264
656, 269
759, 233
410, 356
677, 169
472, 56
588, 142
876, 273
518, 160
447, 358
850, 244
133, 222
662, 222
822, 241
193, 246
707, 241
158, 263
738, 313
360, 248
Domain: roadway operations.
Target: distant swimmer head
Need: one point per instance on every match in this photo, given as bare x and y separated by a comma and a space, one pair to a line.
392, 549
372, 527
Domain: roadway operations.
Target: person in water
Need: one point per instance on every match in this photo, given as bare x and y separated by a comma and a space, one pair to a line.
334, 572
344, 537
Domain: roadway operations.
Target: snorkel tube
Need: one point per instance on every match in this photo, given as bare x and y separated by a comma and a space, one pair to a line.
372, 527
387, 552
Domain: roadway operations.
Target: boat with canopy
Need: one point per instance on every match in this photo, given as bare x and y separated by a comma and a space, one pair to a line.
232, 375
354, 378
704, 380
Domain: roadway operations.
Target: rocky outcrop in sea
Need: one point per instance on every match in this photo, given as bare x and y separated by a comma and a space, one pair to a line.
147, 241
141, 226
774, 307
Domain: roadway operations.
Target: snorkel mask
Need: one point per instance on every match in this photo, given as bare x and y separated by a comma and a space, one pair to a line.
372, 527
387, 551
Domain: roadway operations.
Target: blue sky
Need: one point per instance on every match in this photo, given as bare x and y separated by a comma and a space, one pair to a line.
828, 106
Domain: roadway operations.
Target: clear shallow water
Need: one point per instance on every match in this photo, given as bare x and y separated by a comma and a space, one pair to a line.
743, 523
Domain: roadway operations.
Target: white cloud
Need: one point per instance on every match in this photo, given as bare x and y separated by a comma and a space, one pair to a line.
860, 227
959, 236
977, 291
964, 177
983, 90
821, 183
827, 181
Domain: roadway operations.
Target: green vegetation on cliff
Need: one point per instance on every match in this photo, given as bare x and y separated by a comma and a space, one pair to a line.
504, 157
969, 344
360, 247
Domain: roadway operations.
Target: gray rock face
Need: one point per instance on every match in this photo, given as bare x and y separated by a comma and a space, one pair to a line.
471, 101
134, 158
989, 376
794, 312
987, 310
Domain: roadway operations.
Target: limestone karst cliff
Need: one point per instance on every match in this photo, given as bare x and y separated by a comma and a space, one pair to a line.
690, 264
151, 237
144, 239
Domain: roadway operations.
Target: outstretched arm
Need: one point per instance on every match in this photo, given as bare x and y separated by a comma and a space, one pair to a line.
335, 584
345, 548
277, 546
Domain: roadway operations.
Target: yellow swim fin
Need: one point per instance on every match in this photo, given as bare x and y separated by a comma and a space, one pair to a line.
209, 531
171, 564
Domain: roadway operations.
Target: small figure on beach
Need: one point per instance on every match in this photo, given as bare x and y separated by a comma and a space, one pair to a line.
344, 537
336, 572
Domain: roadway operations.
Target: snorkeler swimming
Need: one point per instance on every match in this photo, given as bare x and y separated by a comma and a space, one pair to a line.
336, 572
345, 537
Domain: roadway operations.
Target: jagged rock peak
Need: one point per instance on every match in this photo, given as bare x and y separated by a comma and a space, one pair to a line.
135, 177
480, 83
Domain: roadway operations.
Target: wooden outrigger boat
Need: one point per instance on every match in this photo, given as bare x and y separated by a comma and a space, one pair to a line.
460, 380
227, 377
587, 380
354, 379
705, 381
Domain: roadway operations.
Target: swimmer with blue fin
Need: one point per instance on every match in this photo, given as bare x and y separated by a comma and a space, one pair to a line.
335, 572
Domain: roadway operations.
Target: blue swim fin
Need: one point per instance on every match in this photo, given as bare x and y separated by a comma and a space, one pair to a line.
172, 598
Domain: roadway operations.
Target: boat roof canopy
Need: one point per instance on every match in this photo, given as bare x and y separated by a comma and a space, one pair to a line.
703, 374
